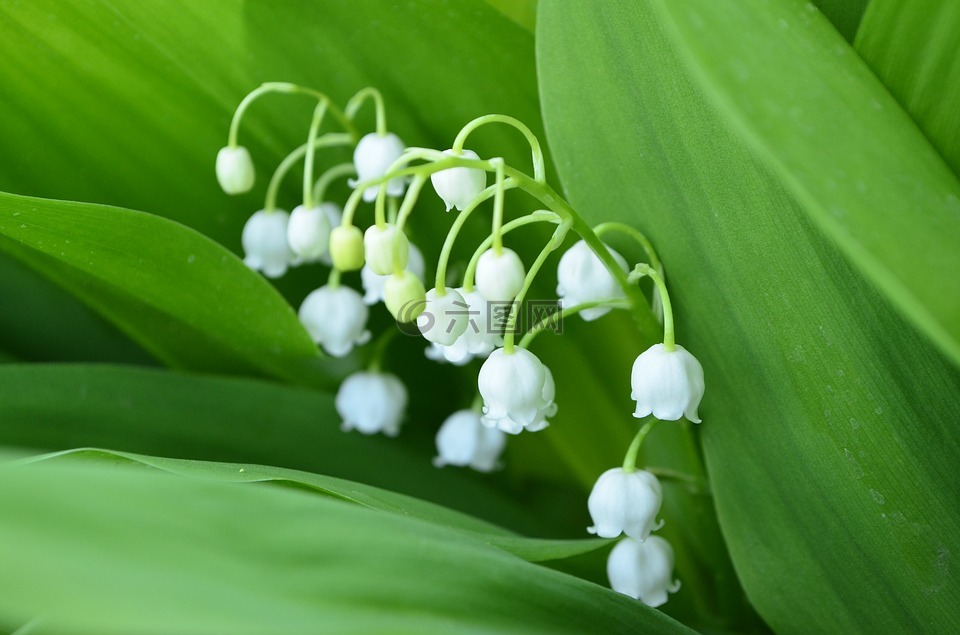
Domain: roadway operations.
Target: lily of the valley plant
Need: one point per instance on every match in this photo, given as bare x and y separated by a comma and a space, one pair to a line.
516, 392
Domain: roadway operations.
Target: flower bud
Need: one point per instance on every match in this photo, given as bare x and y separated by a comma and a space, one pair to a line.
458, 186
445, 317
582, 277
346, 248
264, 241
308, 232
643, 570
464, 441
379, 245
404, 296
372, 402
336, 318
373, 283
499, 278
235, 171
667, 384
625, 502
372, 157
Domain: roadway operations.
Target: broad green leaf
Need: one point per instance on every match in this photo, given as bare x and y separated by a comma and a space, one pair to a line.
523, 12
152, 87
91, 549
912, 47
41, 322
530, 549
59, 407
845, 15
828, 421
184, 298
864, 173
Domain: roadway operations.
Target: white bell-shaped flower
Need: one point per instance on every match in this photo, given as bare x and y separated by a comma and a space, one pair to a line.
464, 441
373, 284
582, 277
264, 241
625, 502
372, 157
235, 171
549, 408
308, 232
667, 384
372, 402
378, 248
499, 278
445, 317
336, 319
643, 570
513, 388
458, 186
478, 340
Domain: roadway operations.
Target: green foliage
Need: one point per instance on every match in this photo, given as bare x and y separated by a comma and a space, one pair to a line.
828, 421
183, 297
247, 559
802, 193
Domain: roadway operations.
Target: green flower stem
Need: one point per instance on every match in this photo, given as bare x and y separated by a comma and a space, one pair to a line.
669, 341
539, 172
458, 223
333, 280
550, 320
497, 232
329, 139
380, 207
315, 124
630, 460
439, 160
636, 234
285, 87
409, 200
336, 172
540, 216
393, 209
346, 220
379, 348
555, 241
644, 317
646, 320
358, 100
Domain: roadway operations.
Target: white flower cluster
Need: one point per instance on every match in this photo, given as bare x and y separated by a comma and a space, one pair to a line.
517, 391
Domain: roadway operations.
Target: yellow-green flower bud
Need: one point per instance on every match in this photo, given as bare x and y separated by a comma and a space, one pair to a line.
346, 248
404, 296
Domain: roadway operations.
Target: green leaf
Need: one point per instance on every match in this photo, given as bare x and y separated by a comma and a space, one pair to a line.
829, 423
530, 549
184, 298
46, 323
54, 407
882, 193
845, 15
91, 549
152, 88
912, 47
523, 12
